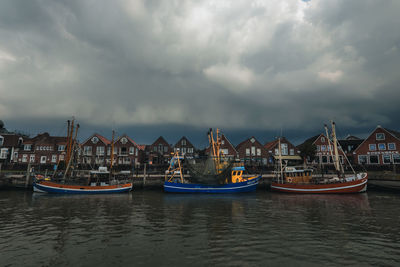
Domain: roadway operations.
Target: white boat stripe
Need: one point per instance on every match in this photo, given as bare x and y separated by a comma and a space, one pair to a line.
208, 188
80, 190
317, 189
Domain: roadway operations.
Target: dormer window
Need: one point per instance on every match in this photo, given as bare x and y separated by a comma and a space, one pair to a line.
380, 136
95, 140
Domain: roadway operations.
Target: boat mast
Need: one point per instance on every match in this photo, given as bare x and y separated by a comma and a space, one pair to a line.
280, 159
329, 145
112, 152
337, 165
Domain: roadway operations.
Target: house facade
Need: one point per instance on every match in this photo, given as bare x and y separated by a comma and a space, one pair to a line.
10, 145
325, 150
42, 149
288, 150
126, 151
185, 147
95, 151
252, 152
381, 147
159, 153
226, 148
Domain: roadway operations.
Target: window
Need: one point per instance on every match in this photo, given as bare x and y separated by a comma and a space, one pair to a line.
252, 140
3, 153
341, 159
95, 140
61, 147
380, 136
396, 158
373, 159
323, 139
43, 159
27, 147
247, 151
392, 146
155, 148
284, 148
165, 149
362, 159
276, 151
382, 146
24, 158
61, 157
124, 140
100, 151
137, 151
131, 150
253, 150
387, 159
372, 147
32, 158
1, 140
223, 142
224, 151
54, 158
318, 148
190, 150
324, 159
258, 151
184, 150
87, 150
291, 152
183, 142
323, 148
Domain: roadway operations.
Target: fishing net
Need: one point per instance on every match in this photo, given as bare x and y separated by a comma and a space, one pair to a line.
204, 172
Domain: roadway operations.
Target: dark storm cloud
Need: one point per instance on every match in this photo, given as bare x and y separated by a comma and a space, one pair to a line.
258, 65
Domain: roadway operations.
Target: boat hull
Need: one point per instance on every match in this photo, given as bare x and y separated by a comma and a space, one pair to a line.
246, 186
55, 188
358, 185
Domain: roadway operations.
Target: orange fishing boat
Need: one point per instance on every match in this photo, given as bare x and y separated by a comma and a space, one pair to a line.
297, 179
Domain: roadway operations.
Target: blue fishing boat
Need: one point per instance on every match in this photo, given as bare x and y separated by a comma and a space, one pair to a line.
217, 175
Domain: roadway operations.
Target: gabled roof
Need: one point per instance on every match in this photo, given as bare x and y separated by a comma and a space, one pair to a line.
392, 132
160, 139
272, 144
248, 140
311, 140
101, 138
127, 137
187, 140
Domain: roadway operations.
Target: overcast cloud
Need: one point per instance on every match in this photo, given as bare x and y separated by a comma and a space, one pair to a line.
260, 65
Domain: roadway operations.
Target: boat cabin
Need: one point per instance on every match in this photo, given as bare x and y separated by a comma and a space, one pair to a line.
297, 175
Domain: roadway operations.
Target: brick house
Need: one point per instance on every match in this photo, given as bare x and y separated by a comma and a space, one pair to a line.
251, 151
288, 150
323, 155
126, 151
348, 145
159, 153
43, 149
10, 145
95, 149
185, 147
381, 147
226, 148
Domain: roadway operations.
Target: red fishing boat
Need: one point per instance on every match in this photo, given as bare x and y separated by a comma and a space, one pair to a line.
301, 179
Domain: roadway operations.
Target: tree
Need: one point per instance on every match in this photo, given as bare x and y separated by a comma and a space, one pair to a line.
307, 151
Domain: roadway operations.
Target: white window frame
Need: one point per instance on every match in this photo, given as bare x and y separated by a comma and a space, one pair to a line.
394, 157
43, 159
394, 146
24, 158
364, 156
247, 151
3, 153
383, 158
370, 147
382, 144
1, 140
100, 150
53, 158
258, 151
61, 148
380, 138
131, 150
291, 151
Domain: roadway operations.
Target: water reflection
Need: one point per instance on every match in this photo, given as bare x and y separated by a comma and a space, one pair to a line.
153, 228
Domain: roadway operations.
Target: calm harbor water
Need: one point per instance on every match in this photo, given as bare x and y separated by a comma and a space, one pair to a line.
158, 229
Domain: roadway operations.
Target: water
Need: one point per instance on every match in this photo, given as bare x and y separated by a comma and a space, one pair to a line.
158, 229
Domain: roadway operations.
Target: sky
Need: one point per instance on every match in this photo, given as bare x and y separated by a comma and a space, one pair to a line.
177, 68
